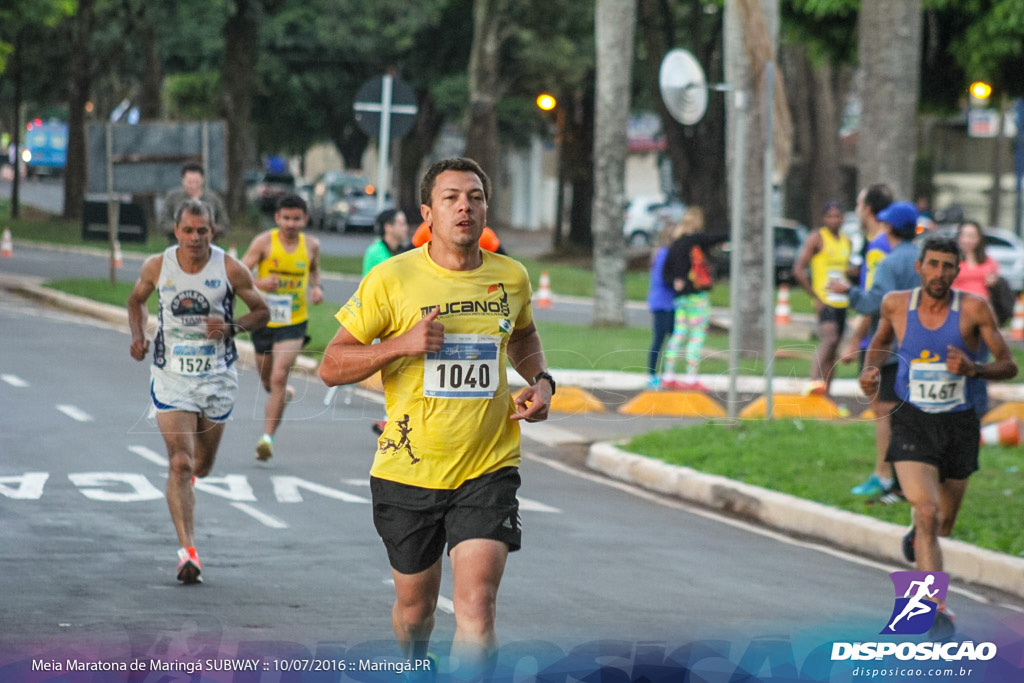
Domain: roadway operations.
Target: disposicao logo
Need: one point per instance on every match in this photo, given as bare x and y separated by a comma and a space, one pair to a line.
916, 596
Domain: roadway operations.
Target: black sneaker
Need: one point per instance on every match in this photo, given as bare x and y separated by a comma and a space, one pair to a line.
943, 627
908, 546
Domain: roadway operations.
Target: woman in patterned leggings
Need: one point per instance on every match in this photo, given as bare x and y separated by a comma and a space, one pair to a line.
688, 270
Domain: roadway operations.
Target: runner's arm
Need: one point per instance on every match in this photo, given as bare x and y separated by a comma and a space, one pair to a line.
138, 314
316, 290
1002, 365
527, 357
241, 281
348, 360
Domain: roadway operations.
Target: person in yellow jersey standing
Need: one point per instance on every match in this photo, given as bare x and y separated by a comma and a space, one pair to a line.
287, 264
825, 258
448, 315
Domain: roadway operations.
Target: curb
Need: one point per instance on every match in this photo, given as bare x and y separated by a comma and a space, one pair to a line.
847, 530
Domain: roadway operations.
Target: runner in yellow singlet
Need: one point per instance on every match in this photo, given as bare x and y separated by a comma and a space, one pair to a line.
825, 257
287, 264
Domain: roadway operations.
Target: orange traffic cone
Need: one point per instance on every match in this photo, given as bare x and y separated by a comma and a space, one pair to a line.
118, 258
6, 244
1017, 324
1004, 433
783, 313
544, 293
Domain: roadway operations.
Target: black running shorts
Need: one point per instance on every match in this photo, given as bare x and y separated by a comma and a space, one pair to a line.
264, 338
829, 314
947, 441
415, 523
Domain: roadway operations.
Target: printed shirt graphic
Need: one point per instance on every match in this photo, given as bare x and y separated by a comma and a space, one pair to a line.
921, 376
185, 301
288, 304
915, 607
830, 264
443, 428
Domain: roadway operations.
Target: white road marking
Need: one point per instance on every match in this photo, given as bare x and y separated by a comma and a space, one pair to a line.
14, 381
150, 455
260, 516
75, 413
739, 524
444, 604
356, 482
551, 435
536, 506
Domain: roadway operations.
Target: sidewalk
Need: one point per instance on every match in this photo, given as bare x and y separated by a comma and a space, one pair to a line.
856, 533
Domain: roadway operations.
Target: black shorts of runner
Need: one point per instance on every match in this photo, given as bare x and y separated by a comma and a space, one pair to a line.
947, 441
829, 314
886, 381
415, 523
264, 338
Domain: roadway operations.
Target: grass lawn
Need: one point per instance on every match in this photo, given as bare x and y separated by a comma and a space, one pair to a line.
821, 460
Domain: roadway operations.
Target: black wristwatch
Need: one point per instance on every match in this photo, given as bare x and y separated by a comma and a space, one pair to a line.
545, 375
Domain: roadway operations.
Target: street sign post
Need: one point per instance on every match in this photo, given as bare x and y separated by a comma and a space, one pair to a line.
385, 107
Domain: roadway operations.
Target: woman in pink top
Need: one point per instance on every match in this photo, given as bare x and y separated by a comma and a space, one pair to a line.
977, 271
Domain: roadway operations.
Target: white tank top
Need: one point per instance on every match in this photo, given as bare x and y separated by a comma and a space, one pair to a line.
186, 300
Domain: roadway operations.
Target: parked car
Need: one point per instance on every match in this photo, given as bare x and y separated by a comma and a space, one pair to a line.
789, 238
344, 201
645, 216
269, 187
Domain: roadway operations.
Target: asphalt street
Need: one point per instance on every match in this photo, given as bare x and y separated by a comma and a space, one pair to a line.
293, 566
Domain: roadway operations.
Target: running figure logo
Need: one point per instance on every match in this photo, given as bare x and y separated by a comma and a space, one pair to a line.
916, 596
403, 442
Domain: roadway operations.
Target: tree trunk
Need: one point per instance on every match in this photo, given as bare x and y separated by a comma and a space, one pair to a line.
485, 88
415, 148
79, 85
241, 35
815, 98
578, 163
890, 55
614, 28
19, 125
750, 44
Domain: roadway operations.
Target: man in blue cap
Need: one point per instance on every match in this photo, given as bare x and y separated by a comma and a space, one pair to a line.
895, 271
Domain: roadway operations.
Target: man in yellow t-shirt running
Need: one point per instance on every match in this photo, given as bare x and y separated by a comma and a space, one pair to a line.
287, 264
449, 315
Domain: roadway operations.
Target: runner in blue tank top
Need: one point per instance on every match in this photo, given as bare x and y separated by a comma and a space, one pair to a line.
935, 432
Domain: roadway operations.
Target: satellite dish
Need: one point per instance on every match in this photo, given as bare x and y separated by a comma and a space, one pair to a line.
683, 88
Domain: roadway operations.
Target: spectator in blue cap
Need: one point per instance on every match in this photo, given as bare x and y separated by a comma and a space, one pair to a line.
894, 272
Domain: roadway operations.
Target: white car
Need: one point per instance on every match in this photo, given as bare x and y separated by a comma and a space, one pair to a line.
645, 216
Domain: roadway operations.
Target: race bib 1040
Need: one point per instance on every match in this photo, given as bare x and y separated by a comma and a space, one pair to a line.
465, 367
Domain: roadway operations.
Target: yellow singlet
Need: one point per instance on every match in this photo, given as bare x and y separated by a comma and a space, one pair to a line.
288, 304
830, 264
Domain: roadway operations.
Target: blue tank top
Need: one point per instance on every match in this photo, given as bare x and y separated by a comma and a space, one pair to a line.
921, 377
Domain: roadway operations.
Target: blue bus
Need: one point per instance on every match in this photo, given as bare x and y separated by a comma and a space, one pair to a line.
45, 149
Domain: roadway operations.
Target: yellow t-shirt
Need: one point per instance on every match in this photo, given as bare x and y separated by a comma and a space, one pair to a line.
830, 264
288, 304
448, 413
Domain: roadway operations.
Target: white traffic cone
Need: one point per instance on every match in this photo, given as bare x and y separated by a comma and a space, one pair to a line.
6, 244
233, 251
783, 313
544, 292
1017, 324
1004, 433
118, 258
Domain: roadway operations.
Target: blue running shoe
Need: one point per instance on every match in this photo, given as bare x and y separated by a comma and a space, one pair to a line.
870, 488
